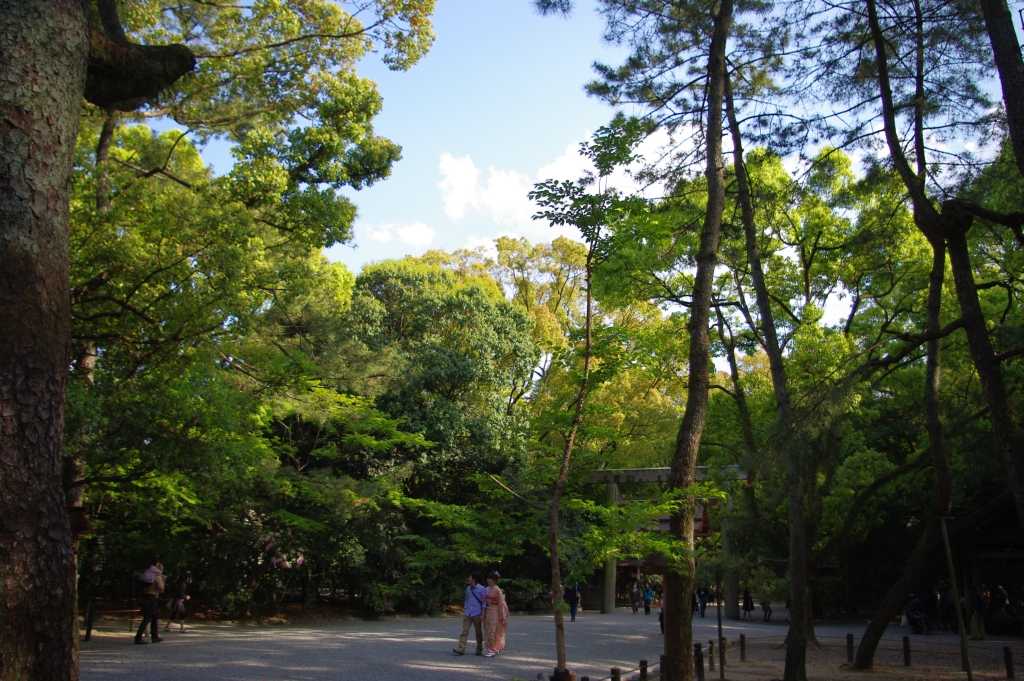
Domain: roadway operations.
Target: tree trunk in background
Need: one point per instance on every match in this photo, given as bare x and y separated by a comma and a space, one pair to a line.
1005, 425
43, 51
801, 618
952, 225
1006, 50
929, 540
679, 580
561, 672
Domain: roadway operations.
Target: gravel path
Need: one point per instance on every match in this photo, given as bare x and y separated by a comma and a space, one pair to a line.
421, 648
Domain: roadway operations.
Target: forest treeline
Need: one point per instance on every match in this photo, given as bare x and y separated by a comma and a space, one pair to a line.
819, 282
249, 411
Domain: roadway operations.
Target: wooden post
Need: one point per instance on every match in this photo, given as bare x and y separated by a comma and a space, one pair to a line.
89, 613
643, 670
711, 656
718, 609
743, 647
849, 649
698, 661
965, 651
611, 565
906, 651
1008, 660
616, 674
723, 655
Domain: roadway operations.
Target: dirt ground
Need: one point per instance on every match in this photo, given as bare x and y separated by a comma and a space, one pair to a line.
938, 659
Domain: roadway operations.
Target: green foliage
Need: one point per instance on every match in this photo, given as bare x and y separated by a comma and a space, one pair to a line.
247, 410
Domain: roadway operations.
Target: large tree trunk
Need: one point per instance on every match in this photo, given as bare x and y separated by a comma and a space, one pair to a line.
679, 578
43, 51
929, 539
1010, 63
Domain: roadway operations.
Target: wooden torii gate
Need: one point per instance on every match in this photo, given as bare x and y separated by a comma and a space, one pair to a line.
613, 477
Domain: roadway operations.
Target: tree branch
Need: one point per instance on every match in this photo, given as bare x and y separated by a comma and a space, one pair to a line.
517, 495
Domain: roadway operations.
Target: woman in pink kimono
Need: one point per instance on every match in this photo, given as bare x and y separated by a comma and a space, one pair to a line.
495, 617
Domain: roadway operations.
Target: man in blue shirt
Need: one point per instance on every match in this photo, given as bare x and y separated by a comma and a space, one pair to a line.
472, 614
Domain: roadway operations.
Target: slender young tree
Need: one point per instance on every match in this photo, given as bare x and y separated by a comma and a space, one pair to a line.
796, 641
574, 203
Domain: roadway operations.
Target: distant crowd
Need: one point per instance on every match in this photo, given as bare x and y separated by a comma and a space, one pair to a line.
935, 610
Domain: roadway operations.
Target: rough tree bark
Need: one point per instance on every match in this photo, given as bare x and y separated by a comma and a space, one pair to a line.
679, 580
561, 672
930, 537
1010, 63
49, 58
43, 49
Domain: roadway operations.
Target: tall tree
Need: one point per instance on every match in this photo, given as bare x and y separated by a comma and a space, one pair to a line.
796, 641
1010, 63
51, 56
574, 203
927, 55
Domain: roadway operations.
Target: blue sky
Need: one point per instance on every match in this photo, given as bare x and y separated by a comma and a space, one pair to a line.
496, 105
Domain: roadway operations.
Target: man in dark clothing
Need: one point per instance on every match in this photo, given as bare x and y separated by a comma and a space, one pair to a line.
930, 606
178, 605
1000, 599
572, 597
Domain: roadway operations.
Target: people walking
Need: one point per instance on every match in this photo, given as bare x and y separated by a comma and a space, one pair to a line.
702, 599
472, 614
977, 608
648, 596
766, 606
496, 616
178, 604
694, 604
947, 611
748, 605
572, 597
634, 597
152, 586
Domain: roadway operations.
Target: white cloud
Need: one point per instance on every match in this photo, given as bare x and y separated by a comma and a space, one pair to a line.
415, 234
501, 194
502, 197
382, 233
459, 186
569, 166
474, 242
